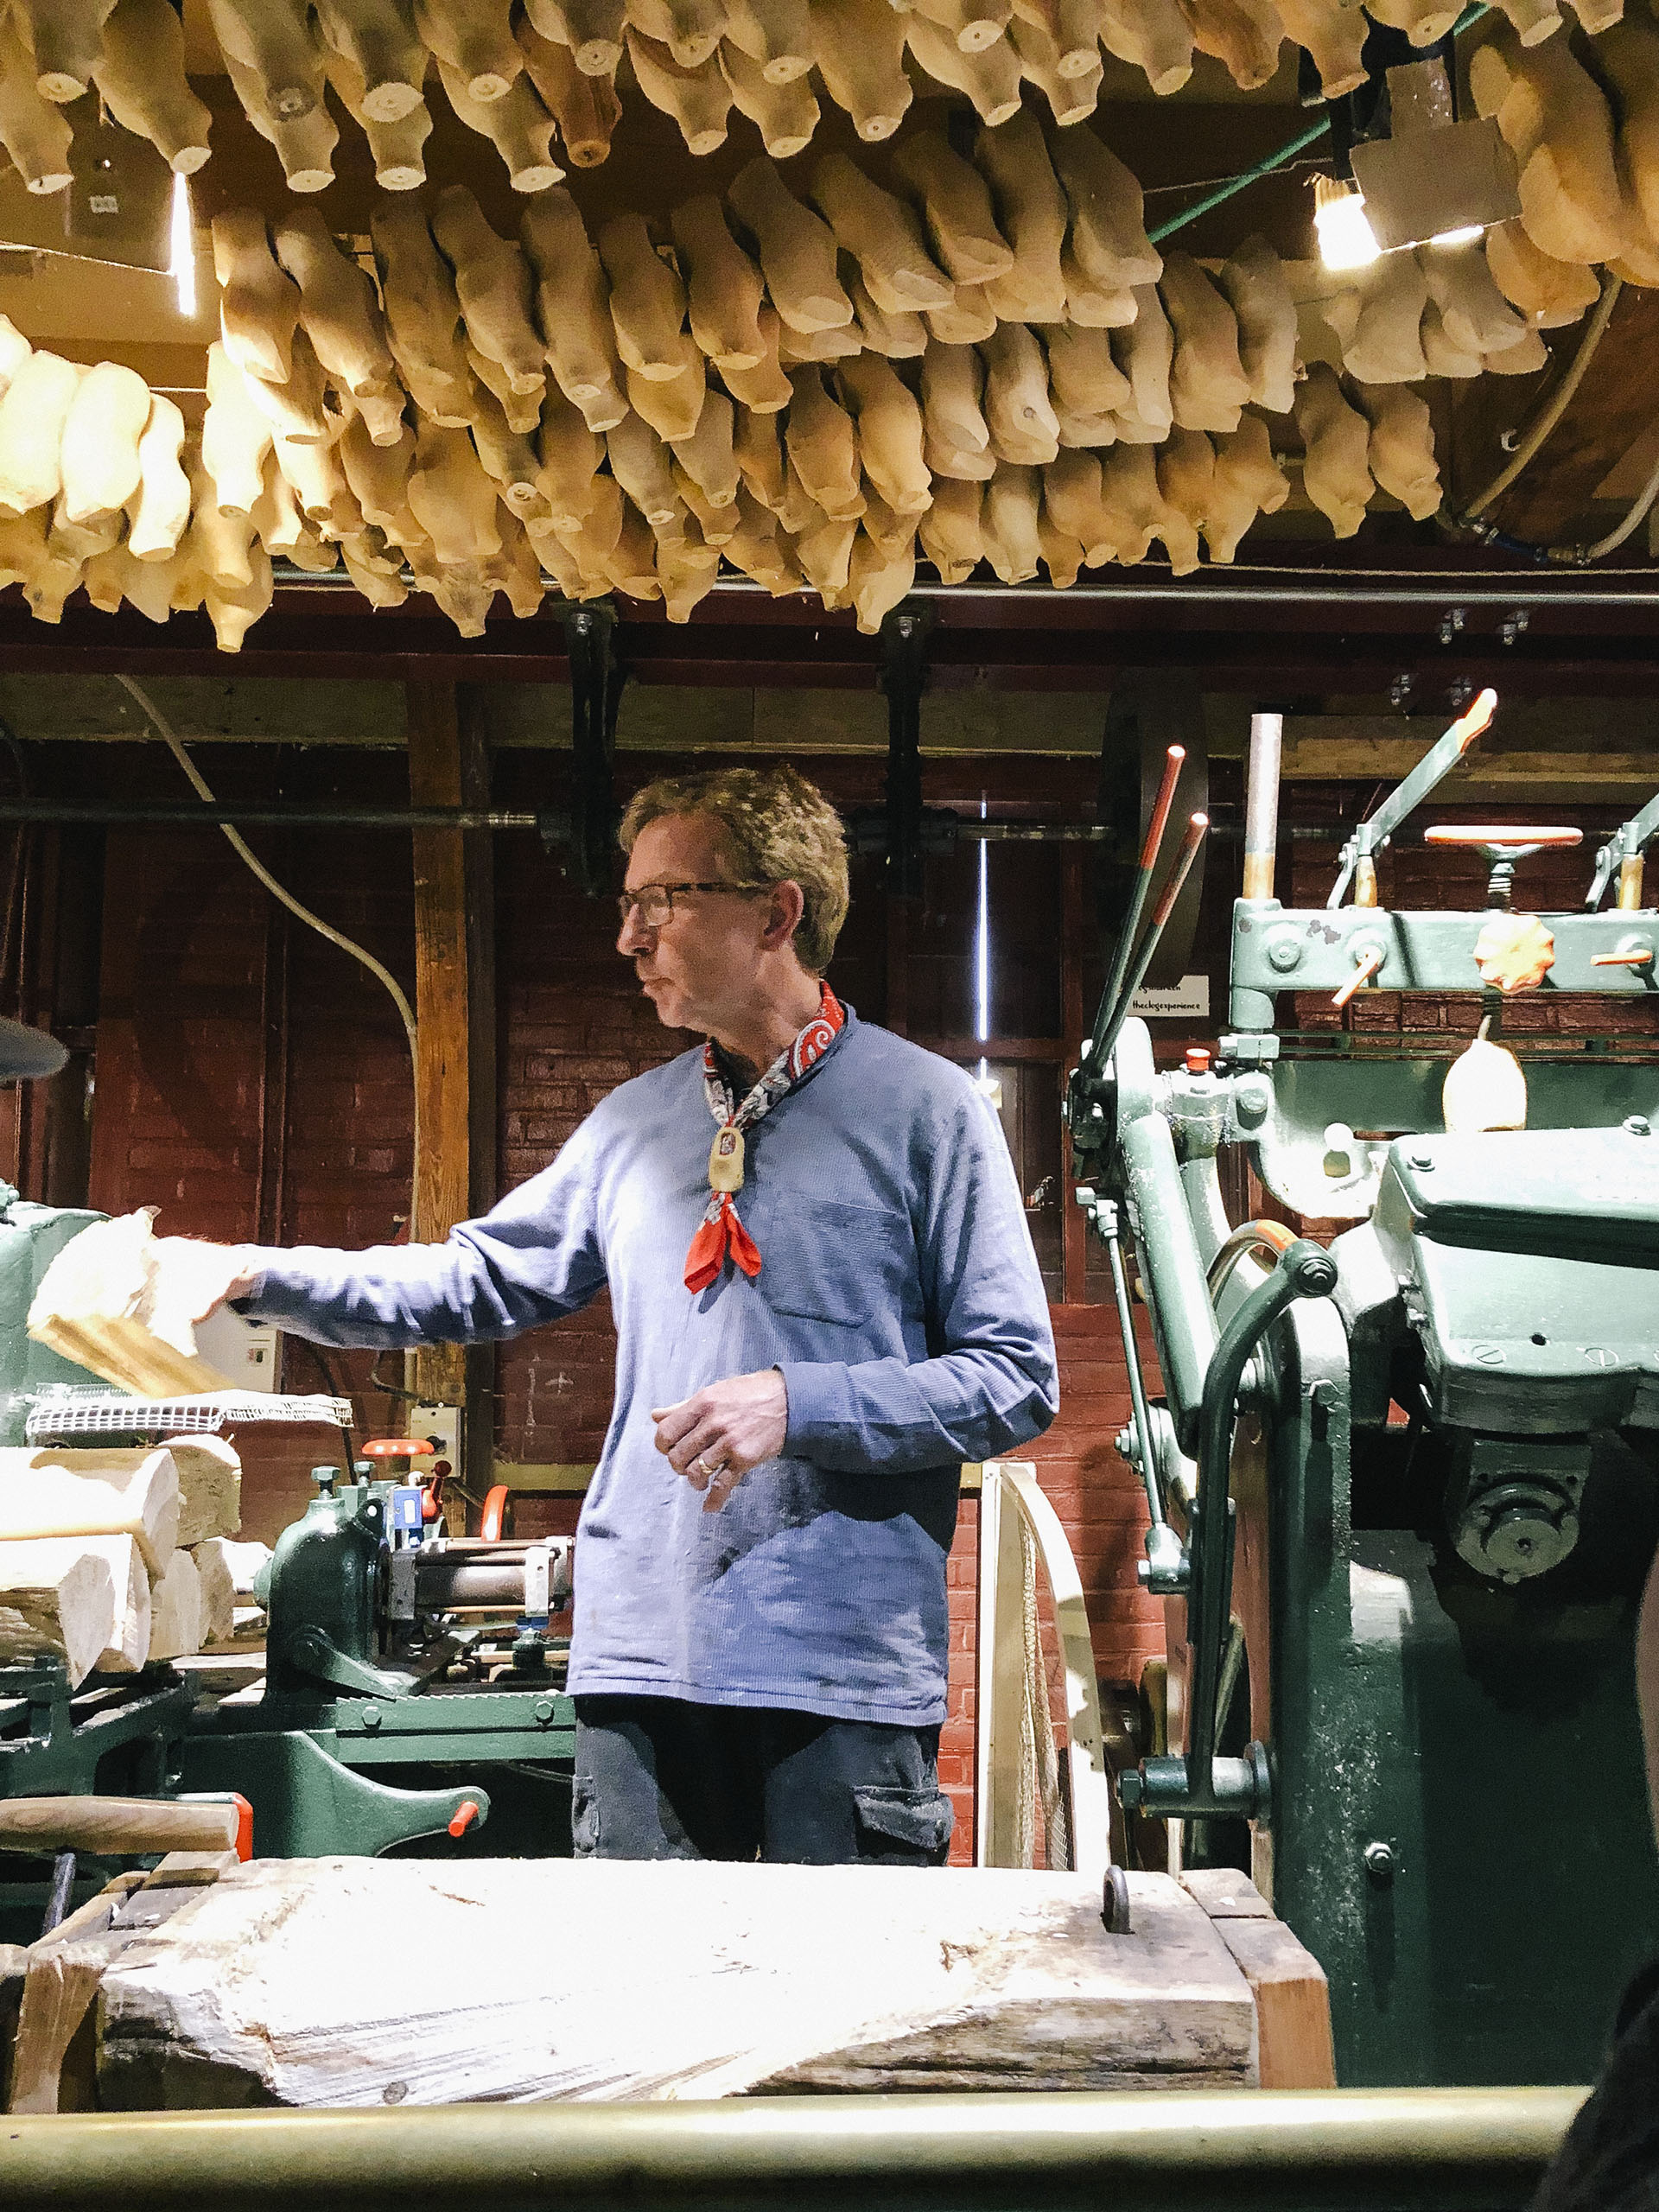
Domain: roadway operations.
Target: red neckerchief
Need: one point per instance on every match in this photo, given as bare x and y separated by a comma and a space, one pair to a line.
721, 1231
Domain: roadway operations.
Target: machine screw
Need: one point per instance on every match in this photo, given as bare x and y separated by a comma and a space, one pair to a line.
372, 1718
543, 1710
1379, 1862
1637, 1125
1450, 623
1252, 1101
1400, 691
1284, 953
1515, 625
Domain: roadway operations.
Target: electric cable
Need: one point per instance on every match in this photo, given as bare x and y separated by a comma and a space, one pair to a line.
239, 845
1554, 408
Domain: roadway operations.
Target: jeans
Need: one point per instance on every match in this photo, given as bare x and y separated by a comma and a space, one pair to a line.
660, 1777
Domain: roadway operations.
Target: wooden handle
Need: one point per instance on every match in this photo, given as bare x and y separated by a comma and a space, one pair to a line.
115, 1827
1366, 967
1504, 834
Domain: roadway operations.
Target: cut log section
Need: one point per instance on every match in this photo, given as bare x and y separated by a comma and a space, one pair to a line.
85, 1599
92, 1493
963, 1979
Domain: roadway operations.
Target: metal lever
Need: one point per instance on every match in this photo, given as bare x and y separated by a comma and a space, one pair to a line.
1625, 850
1358, 854
1367, 965
1149, 849
1103, 1048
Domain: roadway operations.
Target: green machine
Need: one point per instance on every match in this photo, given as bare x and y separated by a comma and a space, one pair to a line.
1402, 1488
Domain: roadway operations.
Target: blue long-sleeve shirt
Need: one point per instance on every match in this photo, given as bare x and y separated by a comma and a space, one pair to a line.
900, 1296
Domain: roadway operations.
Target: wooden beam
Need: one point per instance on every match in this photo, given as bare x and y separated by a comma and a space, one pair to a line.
1610, 411
442, 1006
1347, 759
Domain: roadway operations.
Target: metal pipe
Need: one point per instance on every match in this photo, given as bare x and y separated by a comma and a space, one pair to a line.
1261, 804
1148, 861
1407, 2149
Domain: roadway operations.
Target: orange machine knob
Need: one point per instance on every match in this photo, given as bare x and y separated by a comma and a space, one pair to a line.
463, 1817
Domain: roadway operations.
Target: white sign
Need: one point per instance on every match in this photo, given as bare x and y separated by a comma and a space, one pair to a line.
1190, 996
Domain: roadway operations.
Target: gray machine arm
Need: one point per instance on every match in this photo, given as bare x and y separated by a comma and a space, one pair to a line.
1358, 854
1624, 850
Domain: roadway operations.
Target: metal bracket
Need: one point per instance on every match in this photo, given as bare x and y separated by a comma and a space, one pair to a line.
311, 1651
587, 830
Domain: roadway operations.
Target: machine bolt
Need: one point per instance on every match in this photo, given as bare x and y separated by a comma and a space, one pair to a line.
372, 1718
1637, 1125
1284, 953
1379, 1862
1252, 1101
543, 1710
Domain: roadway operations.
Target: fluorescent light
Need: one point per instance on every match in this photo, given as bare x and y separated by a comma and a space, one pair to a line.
1345, 237
181, 240
982, 944
1465, 234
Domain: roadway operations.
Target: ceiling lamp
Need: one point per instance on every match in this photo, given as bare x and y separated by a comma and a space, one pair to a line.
1346, 239
1433, 181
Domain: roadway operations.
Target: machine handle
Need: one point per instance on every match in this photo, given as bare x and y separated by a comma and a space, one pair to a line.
1504, 836
492, 1520
1367, 965
463, 1817
398, 1447
1620, 959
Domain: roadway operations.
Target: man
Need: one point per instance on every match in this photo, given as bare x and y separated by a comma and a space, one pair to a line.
819, 1314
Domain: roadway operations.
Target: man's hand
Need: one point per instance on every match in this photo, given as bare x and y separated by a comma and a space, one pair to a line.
202, 1276
714, 1437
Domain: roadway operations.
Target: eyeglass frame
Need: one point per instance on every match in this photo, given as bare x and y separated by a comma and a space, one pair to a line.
628, 901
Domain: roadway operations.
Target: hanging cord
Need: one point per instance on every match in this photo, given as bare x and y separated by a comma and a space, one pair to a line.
239, 845
1553, 410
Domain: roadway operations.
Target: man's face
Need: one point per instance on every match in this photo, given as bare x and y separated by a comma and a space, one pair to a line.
703, 962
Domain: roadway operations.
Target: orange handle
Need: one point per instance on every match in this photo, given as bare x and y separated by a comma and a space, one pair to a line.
1475, 720
1366, 967
1620, 959
496, 1504
1498, 833
398, 1447
463, 1817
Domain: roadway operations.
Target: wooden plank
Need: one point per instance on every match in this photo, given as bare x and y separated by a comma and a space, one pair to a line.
52, 2055
1550, 500
1344, 759
536, 1980
1293, 1999
443, 1181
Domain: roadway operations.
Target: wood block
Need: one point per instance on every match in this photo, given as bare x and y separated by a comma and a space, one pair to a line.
81, 1597
92, 1493
538, 1980
175, 1611
210, 1487
193, 1870
216, 1580
1293, 1999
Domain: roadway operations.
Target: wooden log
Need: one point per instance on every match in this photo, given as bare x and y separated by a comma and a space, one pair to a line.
894, 337
989, 79
268, 43
1400, 452
1293, 1999
62, 1973
690, 30
1254, 283
1031, 214
1555, 120
584, 106
32, 418
797, 249
1248, 482
860, 52
647, 302
1335, 438
451, 497
699, 99
492, 283
1108, 227
724, 288
1332, 34
517, 124
591, 28
883, 237
1152, 34
786, 115
1244, 34
1024, 428
822, 442
99, 453
889, 425
1207, 384
422, 312
305, 142
950, 533
1070, 98
109, 1492
1379, 321
473, 41
397, 148
34, 132
777, 35
574, 307
63, 37
378, 39
1145, 352
139, 73
75, 1596
954, 203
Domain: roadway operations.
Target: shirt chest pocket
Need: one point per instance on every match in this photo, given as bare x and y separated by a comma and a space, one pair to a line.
824, 1260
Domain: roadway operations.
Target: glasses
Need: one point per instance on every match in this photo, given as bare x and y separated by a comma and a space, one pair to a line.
655, 900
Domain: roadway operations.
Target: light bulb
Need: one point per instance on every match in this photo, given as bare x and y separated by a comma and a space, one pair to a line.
1465, 235
1345, 237
181, 242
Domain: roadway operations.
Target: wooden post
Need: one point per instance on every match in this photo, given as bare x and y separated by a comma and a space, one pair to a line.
444, 991
1074, 1230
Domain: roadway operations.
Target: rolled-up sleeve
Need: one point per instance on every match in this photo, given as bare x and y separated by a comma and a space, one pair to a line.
536, 1257
990, 1382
